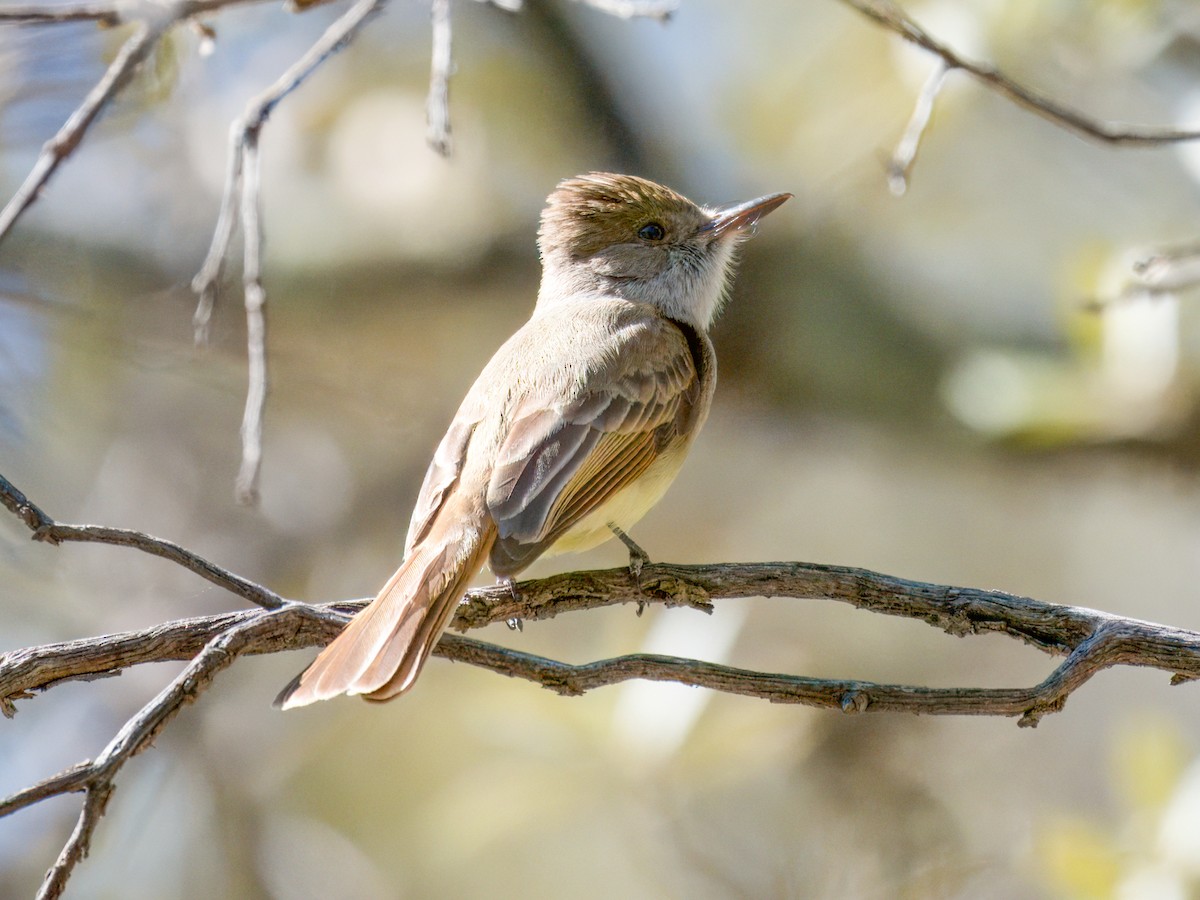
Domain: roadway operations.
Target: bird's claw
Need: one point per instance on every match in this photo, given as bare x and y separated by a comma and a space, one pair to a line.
638, 559
516, 623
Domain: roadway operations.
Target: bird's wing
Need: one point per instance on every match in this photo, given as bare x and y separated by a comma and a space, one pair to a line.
443, 473
567, 452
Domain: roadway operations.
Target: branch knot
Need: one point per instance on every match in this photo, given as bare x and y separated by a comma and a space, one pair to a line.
855, 701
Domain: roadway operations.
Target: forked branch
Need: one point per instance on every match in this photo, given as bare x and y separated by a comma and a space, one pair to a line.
1090, 640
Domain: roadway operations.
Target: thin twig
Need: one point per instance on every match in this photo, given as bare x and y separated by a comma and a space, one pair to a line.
240, 199
154, 21
437, 106
28, 670
59, 147
1168, 270
47, 529
905, 155
207, 279
95, 801
891, 17
46, 14
70, 781
335, 37
113, 12
635, 9
246, 487
847, 696
137, 734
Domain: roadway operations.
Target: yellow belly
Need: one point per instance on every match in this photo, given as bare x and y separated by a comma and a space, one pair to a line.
625, 507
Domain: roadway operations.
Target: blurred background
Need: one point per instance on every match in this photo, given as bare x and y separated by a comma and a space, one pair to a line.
966, 384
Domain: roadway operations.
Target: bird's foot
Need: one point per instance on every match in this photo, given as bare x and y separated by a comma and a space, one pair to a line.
638, 559
515, 623
506, 581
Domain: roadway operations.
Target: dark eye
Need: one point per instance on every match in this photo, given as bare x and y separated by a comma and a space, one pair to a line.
652, 232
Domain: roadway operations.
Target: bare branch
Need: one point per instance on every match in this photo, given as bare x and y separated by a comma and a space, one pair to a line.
246, 486
207, 279
848, 696
105, 14
70, 781
241, 199
891, 17
1120, 641
634, 9
112, 12
241, 191
335, 37
59, 147
76, 848
1168, 270
146, 35
905, 155
98, 776
437, 106
1091, 641
46, 529
256, 631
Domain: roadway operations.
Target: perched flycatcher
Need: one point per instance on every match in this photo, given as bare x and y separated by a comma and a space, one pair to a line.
578, 424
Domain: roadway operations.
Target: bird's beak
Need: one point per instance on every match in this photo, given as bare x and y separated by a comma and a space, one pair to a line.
742, 216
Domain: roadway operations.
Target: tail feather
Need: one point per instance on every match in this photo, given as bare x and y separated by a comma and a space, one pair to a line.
381, 652
394, 671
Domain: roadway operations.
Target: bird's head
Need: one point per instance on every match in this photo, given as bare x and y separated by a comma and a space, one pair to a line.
622, 236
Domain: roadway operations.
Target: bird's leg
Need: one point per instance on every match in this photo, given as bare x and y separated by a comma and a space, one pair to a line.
514, 624
638, 559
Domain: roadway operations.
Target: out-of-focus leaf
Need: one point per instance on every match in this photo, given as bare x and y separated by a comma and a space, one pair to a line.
1148, 759
1079, 860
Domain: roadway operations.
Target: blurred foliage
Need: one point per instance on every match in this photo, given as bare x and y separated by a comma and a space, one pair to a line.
1150, 851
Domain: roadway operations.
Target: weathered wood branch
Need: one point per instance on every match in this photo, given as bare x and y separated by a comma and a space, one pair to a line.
96, 778
1091, 640
46, 529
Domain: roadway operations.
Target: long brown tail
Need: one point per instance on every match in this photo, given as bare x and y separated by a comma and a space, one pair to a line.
381, 652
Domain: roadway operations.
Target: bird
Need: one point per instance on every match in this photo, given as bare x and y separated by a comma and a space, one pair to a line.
573, 430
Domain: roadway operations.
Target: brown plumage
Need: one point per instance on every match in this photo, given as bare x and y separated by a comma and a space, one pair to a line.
579, 422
